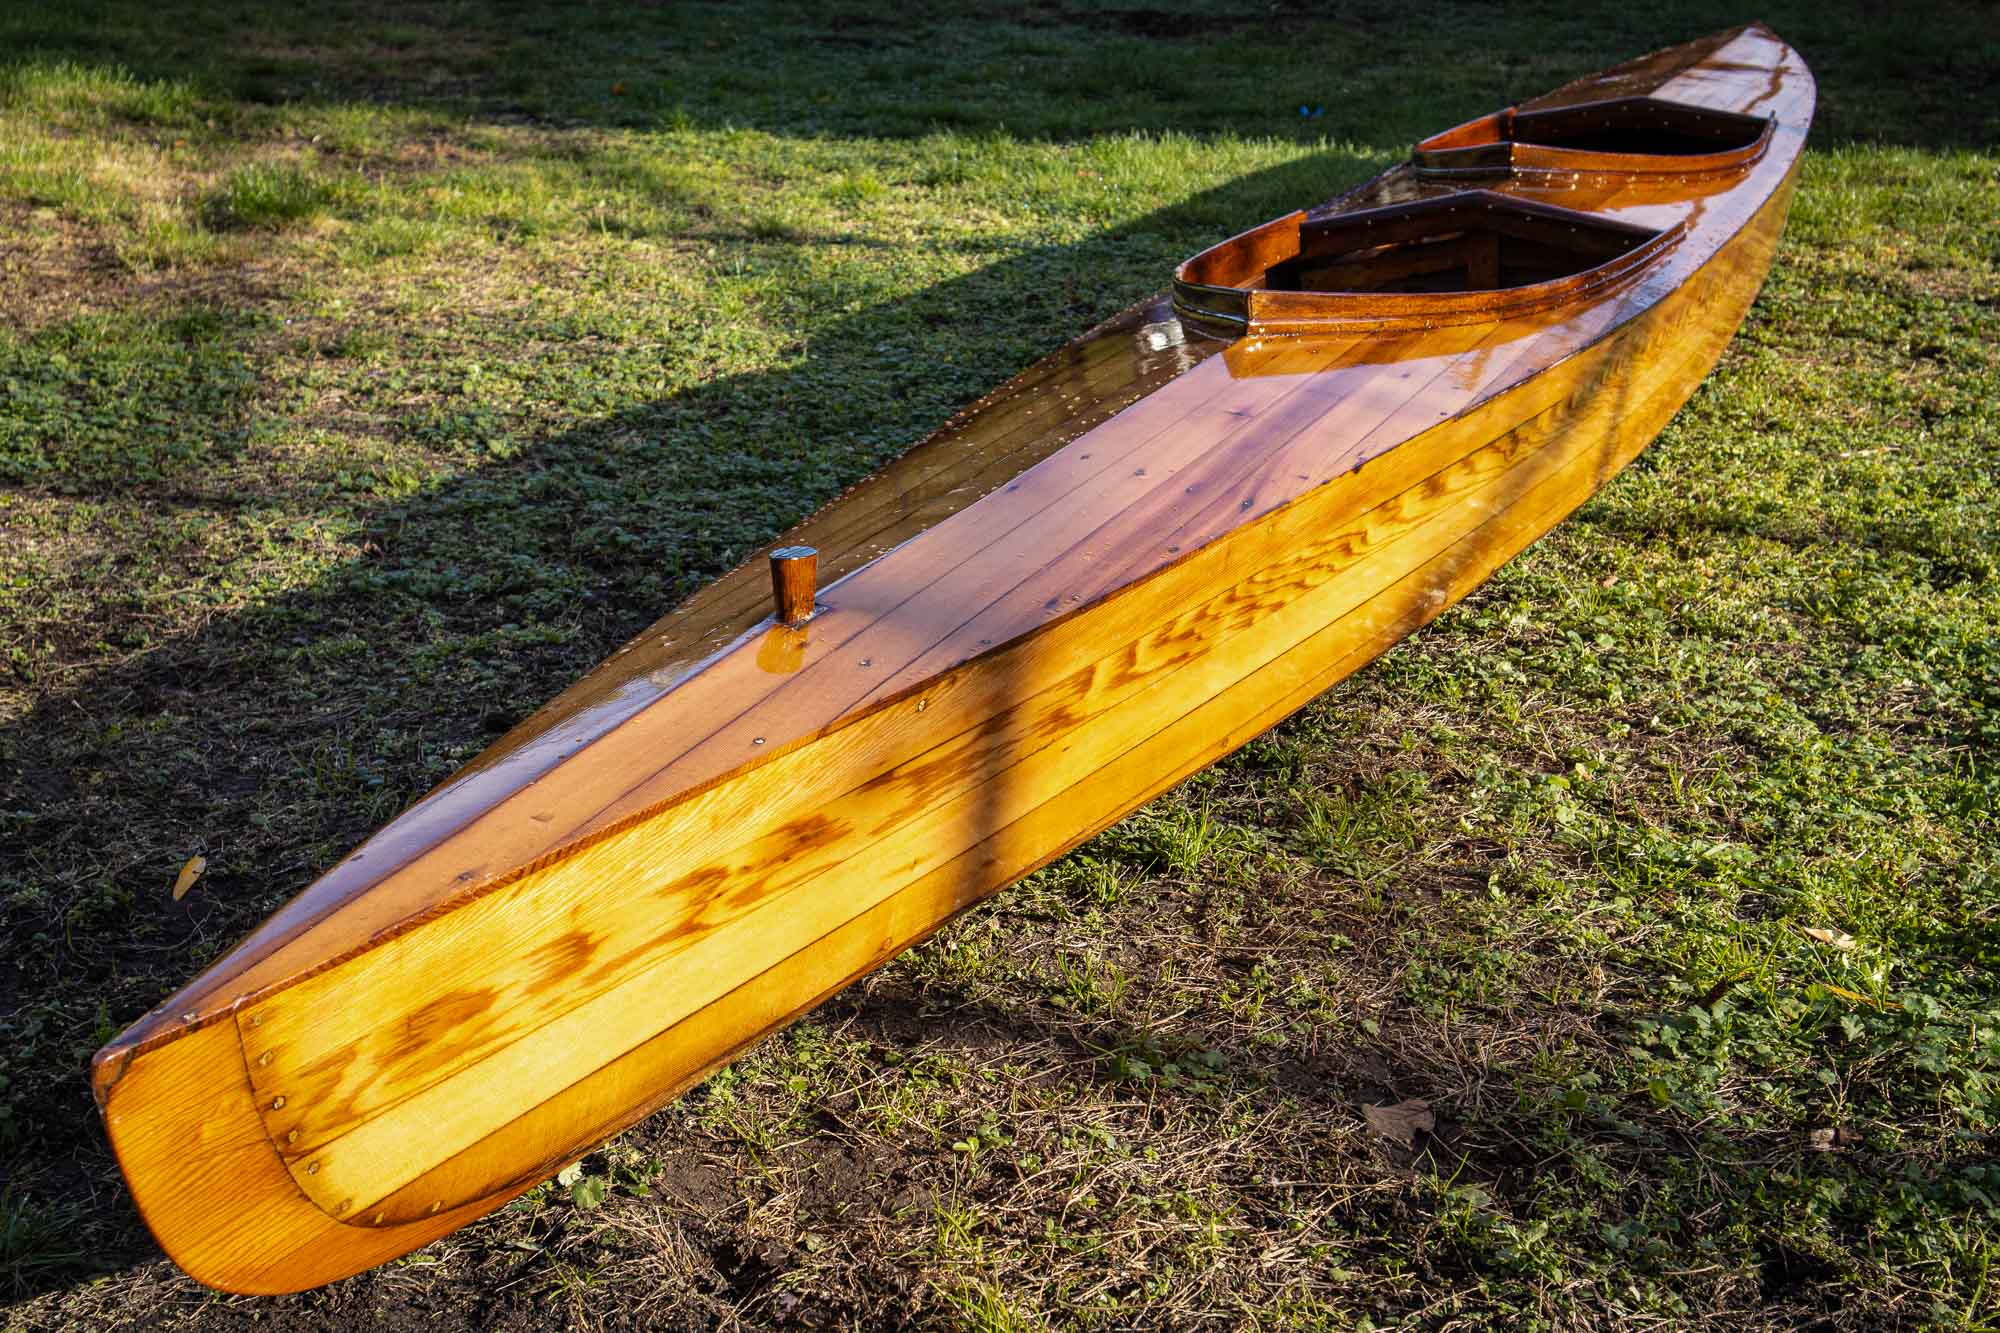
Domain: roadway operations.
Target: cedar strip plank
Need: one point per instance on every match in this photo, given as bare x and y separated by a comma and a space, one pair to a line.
852, 948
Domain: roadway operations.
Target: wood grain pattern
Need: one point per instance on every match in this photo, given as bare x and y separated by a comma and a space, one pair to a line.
794, 580
1124, 564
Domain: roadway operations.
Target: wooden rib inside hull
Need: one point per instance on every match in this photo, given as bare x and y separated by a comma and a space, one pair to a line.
732, 837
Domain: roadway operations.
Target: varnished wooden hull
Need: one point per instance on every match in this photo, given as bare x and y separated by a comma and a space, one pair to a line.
712, 834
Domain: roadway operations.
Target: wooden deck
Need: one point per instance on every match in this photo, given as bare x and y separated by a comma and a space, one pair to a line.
1125, 563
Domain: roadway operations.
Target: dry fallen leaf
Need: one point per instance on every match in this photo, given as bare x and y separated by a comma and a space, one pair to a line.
1838, 939
1402, 1122
1854, 996
189, 874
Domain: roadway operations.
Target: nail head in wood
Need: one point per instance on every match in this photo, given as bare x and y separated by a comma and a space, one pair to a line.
794, 580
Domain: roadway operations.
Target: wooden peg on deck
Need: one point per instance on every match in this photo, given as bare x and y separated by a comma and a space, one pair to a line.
794, 580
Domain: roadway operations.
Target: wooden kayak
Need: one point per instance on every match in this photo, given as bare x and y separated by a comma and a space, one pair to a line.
1120, 566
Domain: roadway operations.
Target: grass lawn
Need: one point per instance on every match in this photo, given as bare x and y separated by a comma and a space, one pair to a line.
367, 372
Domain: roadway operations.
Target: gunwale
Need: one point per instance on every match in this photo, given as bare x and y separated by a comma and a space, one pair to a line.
1504, 368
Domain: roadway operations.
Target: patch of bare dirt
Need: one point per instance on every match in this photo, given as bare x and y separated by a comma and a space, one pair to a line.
56, 269
53, 268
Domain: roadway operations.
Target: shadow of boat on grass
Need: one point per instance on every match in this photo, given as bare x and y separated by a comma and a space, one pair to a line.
281, 735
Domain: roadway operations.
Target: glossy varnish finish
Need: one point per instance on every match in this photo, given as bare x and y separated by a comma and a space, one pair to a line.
1129, 561
794, 581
